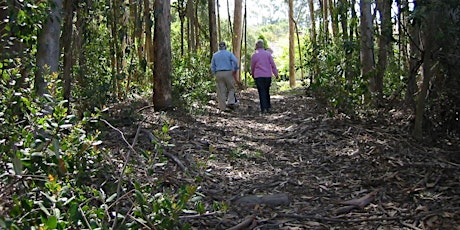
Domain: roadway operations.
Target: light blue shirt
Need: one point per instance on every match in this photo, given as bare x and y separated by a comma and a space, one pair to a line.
223, 60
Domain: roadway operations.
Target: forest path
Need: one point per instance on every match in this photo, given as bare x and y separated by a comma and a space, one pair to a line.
298, 168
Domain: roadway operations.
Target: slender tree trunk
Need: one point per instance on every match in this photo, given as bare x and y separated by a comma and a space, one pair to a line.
182, 11
325, 11
334, 19
114, 45
68, 55
428, 30
219, 29
191, 26
238, 30
140, 36
291, 44
346, 39
414, 61
148, 34
299, 47
79, 37
384, 7
162, 90
212, 26
48, 52
313, 38
367, 44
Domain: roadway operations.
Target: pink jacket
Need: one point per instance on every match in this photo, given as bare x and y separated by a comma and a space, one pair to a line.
262, 64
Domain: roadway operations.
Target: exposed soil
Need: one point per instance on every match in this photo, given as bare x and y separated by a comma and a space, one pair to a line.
297, 167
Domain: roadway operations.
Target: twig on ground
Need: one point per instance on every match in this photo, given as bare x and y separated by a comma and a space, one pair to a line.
244, 224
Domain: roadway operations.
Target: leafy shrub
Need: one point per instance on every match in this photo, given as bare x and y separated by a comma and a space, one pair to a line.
56, 176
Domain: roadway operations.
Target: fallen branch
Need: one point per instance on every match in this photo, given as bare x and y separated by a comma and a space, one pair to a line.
269, 200
122, 172
245, 224
152, 138
356, 203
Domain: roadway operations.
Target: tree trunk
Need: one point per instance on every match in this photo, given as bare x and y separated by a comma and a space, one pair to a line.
191, 26
219, 29
313, 38
162, 90
367, 44
325, 11
48, 51
238, 32
384, 7
334, 19
212, 26
68, 56
428, 30
414, 62
148, 35
291, 45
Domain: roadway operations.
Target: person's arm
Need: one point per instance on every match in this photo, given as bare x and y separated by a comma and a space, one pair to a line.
253, 65
274, 69
213, 66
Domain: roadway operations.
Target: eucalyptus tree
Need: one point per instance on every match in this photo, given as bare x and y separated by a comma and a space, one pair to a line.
292, 77
48, 51
238, 32
367, 43
162, 90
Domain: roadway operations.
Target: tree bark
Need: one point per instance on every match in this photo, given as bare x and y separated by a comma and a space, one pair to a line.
68, 57
212, 26
191, 26
162, 90
313, 38
238, 32
48, 51
367, 44
428, 30
384, 7
292, 80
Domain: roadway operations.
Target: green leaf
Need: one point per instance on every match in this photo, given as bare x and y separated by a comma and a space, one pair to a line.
110, 199
52, 222
43, 208
17, 165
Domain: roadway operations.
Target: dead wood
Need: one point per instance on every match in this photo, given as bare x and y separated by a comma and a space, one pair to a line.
319, 159
362, 201
152, 138
245, 224
268, 200
356, 203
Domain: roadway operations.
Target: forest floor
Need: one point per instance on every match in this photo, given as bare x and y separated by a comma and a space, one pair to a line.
297, 167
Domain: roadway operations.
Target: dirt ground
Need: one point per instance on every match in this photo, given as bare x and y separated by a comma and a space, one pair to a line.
298, 168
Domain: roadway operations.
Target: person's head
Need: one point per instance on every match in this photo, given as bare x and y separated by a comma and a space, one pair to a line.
222, 45
260, 44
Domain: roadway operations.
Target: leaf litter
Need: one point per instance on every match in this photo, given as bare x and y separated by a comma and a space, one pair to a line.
296, 168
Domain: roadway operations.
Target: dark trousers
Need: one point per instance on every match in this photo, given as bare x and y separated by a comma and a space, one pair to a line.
263, 87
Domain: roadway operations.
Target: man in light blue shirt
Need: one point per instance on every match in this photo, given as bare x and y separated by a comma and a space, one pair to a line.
224, 66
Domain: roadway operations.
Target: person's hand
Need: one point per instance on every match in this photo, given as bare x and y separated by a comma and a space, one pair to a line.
239, 85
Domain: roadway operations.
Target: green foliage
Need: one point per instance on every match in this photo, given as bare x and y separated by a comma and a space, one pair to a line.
329, 63
94, 80
45, 154
56, 176
192, 81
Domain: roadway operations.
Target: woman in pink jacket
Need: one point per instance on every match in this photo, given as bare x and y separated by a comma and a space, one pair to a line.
262, 69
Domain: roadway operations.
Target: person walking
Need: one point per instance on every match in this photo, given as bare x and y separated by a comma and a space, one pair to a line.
224, 66
262, 69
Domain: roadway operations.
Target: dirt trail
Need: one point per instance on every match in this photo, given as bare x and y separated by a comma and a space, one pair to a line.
297, 168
